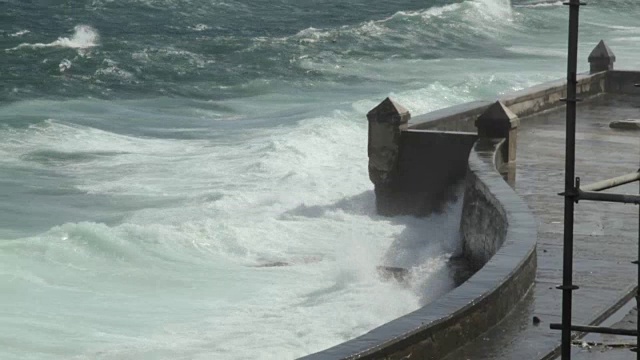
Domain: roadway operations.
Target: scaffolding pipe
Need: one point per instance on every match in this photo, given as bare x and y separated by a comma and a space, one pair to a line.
618, 198
597, 330
569, 178
613, 182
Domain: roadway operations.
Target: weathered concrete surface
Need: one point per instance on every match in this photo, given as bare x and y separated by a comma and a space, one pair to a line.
601, 58
496, 121
386, 122
455, 118
605, 233
483, 224
547, 96
500, 122
526, 102
430, 164
623, 82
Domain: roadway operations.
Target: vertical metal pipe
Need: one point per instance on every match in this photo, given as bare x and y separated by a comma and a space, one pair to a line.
569, 180
638, 265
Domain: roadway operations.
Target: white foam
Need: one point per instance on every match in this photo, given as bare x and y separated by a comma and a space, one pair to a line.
200, 27
20, 33
114, 71
544, 4
84, 37
537, 51
312, 35
436, 11
64, 65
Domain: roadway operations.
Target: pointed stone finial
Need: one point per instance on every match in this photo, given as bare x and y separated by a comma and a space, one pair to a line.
389, 111
498, 121
386, 122
601, 58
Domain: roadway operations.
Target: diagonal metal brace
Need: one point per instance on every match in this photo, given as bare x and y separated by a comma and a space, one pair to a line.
597, 329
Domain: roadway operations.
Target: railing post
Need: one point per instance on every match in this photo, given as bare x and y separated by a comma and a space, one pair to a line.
500, 122
601, 58
386, 122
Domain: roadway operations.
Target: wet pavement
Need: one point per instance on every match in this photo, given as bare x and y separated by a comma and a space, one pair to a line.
606, 234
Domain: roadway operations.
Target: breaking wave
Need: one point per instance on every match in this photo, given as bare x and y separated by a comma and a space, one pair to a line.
84, 37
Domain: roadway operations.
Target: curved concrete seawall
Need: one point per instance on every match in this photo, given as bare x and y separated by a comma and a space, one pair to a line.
484, 221
499, 233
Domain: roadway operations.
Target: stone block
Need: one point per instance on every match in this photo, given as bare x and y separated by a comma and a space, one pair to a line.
386, 122
500, 122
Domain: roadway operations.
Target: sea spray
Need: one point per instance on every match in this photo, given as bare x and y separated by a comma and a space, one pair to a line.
84, 37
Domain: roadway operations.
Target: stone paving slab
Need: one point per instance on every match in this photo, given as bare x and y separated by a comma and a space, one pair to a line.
606, 234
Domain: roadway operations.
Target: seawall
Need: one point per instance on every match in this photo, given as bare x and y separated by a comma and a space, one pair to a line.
415, 162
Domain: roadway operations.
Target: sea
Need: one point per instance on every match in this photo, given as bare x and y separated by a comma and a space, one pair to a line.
187, 179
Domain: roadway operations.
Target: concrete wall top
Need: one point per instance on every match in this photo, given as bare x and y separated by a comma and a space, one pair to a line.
455, 118
549, 95
523, 102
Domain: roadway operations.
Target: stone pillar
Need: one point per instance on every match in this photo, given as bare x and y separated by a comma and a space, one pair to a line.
386, 122
500, 122
601, 58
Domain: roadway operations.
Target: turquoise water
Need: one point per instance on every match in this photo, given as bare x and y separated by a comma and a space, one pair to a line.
156, 154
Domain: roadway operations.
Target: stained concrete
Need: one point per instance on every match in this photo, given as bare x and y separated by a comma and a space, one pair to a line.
606, 234
386, 122
484, 222
429, 164
601, 58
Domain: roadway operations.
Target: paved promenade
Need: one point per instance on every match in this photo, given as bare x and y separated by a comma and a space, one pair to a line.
606, 234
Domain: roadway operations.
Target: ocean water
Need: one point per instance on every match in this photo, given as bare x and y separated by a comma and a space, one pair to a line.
156, 156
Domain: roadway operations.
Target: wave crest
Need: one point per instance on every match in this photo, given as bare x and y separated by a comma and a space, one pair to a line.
84, 37
426, 33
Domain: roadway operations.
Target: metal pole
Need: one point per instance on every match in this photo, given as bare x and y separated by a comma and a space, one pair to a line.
613, 182
637, 262
569, 179
618, 198
597, 330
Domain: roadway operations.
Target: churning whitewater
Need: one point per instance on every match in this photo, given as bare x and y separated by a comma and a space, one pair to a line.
159, 158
